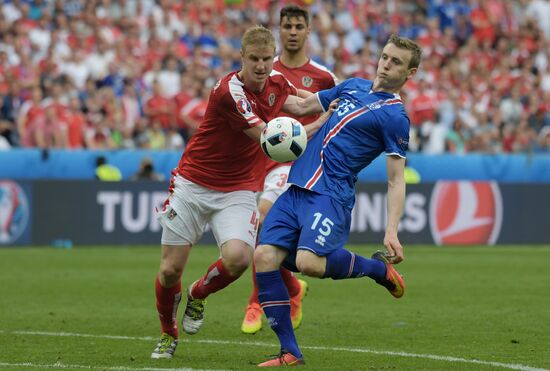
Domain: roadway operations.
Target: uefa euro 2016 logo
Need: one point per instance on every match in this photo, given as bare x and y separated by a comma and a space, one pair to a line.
14, 212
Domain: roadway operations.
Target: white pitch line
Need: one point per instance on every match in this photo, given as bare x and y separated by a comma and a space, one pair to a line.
510, 366
59, 365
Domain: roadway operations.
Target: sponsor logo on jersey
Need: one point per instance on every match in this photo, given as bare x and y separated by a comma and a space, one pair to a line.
465, 213
14, 212
243, 105
403, 143
375, 105
271, 99
307, 81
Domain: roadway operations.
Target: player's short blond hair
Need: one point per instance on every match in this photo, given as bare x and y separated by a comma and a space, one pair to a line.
257, 35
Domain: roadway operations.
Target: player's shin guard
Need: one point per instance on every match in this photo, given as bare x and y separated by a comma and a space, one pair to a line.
342, 264
168, 299
275, 302
215, 279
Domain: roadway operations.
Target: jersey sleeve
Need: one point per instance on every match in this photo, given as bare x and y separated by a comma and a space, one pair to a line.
328, 95
290, 88
332, 80
396, 135
286, 84
238, 111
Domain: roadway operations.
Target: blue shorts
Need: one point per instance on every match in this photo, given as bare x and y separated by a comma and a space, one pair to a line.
304, 220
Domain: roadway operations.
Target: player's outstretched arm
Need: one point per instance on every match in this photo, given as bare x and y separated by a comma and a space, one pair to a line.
256, 132
304, 93
297, 106
396, 198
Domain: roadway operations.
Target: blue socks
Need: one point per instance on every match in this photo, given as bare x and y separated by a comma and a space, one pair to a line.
275, 302
342, 264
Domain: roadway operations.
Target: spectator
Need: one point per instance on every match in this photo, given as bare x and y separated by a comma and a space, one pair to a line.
147, 171
476, 52
457, 137
7, 129
99, 60
27, 114
422, 107
49, 130
193, 112
159, 108
131, 106
76, 69
412, 176
169, 77
106, 172
157, 138
511, 107
76, 125
4, 143
433, 136
174, 141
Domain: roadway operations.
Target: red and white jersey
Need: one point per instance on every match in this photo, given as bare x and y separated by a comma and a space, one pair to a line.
312, 77
220, 155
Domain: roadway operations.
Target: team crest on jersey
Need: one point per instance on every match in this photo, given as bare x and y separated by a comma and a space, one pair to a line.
243, 105
271, 99
307, 81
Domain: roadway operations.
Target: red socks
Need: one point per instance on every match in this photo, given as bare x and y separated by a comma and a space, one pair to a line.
291, 282
168, 299
254, 296
215, 279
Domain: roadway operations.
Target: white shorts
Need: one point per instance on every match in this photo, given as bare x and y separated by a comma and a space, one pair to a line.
190, 207
275, 183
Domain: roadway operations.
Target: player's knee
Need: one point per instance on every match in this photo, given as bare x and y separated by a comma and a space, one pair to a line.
170, 273
237, 259
264, 259
310, 266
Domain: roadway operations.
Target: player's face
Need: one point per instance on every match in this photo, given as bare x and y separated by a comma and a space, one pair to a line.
393, 68
257, 63
293, 33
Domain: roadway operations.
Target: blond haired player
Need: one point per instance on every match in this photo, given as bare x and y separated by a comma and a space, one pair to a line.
216, 180
305, 74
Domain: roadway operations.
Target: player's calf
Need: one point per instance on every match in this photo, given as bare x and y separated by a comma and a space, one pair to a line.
311, 264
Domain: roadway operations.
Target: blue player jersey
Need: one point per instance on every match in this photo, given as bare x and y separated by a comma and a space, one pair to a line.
365, 124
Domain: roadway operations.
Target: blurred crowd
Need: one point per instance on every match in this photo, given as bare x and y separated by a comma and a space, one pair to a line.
109, 74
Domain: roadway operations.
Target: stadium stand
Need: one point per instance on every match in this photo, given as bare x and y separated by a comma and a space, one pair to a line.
108, 74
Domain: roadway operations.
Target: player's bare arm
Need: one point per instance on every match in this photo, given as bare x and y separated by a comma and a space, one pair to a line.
396, 198
304, 93
297, 106
302, 107
311, 129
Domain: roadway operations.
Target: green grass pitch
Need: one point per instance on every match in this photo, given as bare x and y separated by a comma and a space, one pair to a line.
465, 308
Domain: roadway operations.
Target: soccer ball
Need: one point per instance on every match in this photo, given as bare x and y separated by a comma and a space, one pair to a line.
284, 139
